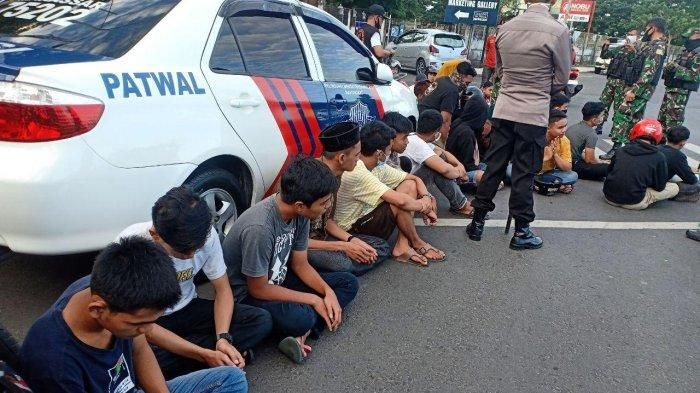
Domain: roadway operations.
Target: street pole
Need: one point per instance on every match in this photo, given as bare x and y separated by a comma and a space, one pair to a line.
590, 20
588, 33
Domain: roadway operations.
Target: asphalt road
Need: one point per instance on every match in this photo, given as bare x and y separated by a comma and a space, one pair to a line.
594, 310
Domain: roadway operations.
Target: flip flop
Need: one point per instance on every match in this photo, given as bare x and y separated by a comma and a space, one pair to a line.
424, 250
409, 258
291, 348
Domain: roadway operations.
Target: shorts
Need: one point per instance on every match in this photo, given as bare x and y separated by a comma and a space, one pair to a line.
379, 222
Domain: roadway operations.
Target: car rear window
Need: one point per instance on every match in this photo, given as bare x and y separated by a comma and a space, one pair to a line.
450, 40
105, 28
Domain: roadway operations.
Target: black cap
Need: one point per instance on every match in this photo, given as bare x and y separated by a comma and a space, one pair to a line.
376, 9
340, 136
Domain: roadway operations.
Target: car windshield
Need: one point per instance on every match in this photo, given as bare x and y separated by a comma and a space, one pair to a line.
451, 40
104, 28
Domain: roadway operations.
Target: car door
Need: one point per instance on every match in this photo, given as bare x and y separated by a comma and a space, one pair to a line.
263, 84
341, 55
416, 47
403, 47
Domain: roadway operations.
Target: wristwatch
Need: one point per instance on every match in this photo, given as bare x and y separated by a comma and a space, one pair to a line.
225, 336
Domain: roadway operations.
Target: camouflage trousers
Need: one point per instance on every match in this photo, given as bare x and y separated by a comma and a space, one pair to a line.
612, 94
672, 112
624, 118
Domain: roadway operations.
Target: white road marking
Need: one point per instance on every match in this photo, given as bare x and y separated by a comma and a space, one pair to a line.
617, 225
693, 163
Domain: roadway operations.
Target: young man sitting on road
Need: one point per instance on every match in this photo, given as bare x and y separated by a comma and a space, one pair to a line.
374, 199
677, 164
557, 153
436, 166
583, 140
266, 254
638, 173
402, 129
197, 333
92, 338
331, 248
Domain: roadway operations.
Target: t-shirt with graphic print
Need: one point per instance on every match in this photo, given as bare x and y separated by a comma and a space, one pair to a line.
56, 361
209, 258
261, 243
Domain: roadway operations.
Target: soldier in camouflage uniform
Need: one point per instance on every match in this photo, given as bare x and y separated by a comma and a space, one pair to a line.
681, 77
613, 92
642, 78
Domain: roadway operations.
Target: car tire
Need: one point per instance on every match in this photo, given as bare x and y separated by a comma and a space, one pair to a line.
222, 192
421, 67
9, 349
597, 70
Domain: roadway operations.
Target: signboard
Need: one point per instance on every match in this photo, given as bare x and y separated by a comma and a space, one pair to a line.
471, 12
580, 10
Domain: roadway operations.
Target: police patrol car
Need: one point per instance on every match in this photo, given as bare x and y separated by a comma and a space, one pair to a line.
105, 105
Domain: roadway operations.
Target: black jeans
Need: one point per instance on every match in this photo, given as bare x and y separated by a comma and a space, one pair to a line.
523, 145
295, 319
590, 171
195, 323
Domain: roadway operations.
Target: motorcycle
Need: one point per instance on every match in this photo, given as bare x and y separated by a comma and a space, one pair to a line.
573, 87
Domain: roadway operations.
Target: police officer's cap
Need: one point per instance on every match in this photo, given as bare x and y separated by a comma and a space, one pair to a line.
376, 9
340, 136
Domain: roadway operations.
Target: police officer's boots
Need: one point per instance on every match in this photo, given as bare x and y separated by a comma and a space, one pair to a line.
476, 228
610, 154
524, 239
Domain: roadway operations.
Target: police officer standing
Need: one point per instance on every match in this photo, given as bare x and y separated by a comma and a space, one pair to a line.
621, 57
681, 77
369, 32
641, 78
533, 61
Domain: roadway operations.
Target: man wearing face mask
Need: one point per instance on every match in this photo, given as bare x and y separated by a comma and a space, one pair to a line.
369, 32
681, 77
613, 92
533, 62
640, 78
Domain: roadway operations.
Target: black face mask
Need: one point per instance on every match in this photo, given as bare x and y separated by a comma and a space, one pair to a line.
647, 35
378, 23
692, 44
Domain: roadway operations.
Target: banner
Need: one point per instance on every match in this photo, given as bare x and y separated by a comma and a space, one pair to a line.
470, 12
580, 10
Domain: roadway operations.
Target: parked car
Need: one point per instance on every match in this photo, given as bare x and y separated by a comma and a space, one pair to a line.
601, 65
104, 106
419, 49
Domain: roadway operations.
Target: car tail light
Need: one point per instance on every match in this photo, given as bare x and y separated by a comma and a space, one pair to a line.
31, 113
433, 49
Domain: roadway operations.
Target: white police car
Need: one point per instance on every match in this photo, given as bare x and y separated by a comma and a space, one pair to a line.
105, 105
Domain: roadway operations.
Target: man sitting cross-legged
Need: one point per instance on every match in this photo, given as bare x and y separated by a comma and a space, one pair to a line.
266, 255
677, 164
374, 199
196, 332
435, 165
331, 248
92, 338
557, 153
583, 140
402, 127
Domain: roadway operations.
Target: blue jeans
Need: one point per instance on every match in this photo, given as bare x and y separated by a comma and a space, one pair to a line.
567, 177
338, 261
448, 187
213, 380
295, 319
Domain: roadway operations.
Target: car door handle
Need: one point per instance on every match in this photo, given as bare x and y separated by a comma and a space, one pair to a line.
338, 101
244, 102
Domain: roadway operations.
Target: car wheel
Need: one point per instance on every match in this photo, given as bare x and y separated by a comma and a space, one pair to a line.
597, 70
222, 193
9, 349
420, 67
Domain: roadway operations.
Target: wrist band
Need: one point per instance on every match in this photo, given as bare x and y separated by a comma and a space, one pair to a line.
350, 238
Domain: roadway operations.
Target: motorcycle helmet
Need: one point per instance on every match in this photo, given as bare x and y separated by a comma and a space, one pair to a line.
649, 129
547, 184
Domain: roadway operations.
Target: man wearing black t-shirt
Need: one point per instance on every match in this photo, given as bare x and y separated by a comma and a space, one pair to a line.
677, 164
369, 32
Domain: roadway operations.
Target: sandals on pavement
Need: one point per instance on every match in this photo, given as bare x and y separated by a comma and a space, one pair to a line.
412, 259
566, 188
291, 348
428, 248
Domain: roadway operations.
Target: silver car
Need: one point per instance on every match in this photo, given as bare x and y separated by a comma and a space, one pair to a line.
420, 48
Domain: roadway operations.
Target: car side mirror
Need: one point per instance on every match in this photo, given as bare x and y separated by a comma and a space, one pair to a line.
384, 73
365, 74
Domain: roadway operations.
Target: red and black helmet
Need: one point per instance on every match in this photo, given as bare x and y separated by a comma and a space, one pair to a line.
649, 129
